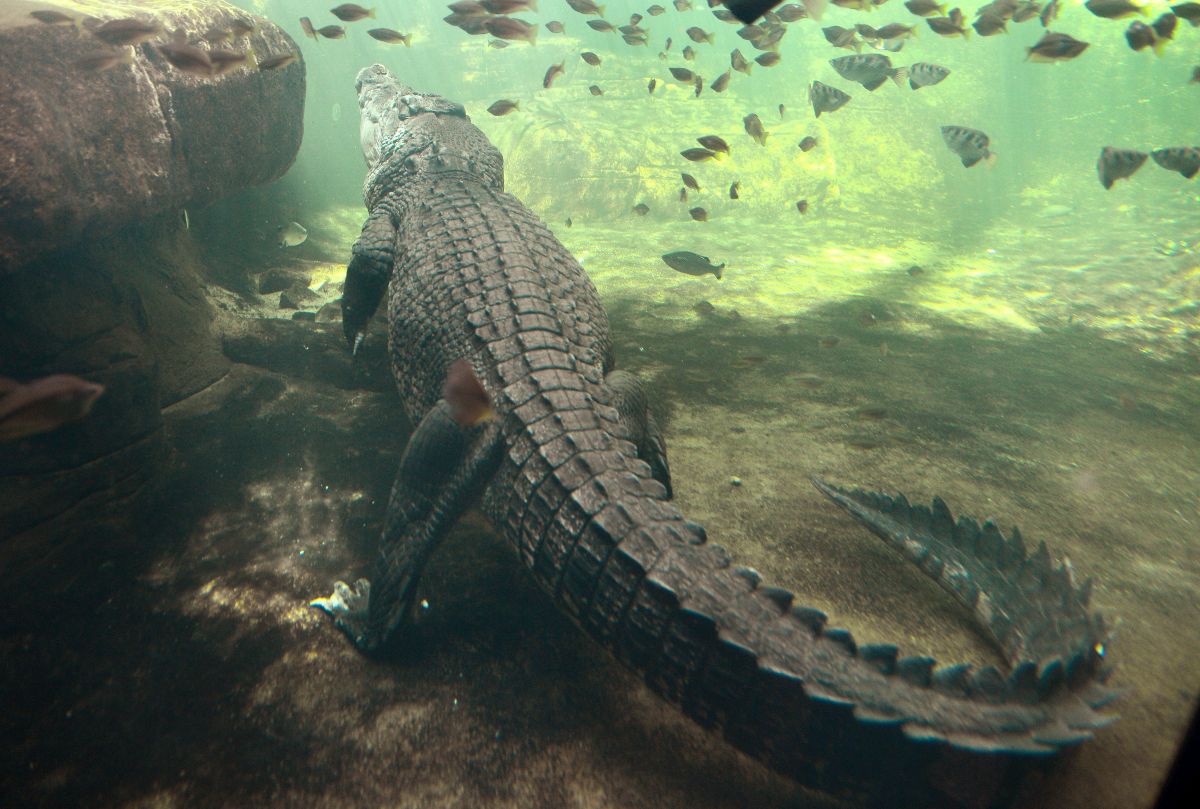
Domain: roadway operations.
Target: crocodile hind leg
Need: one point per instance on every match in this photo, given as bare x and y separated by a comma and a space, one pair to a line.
367, 275
443, 467
634, 410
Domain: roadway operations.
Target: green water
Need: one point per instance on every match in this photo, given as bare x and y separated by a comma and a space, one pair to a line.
1041, 367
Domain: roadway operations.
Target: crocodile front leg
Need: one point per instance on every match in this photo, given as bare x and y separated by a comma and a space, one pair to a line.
367, 276
443, 467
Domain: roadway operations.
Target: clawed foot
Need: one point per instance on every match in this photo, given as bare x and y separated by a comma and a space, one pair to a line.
348, 607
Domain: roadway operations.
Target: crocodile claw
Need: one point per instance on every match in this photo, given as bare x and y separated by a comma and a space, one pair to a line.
348, 607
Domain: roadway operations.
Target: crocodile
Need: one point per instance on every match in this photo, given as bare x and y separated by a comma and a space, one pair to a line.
571, 469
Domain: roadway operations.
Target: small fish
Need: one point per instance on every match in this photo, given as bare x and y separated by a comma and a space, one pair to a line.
1117, 164
555, 27
925, 8
791, 12
699, 35
226, 61
925, 74
689, 263
635, 40
655, 10
292, 234
1164, 26
468, 400
44, 404
1049, 13
781, 110
768, 59
970, 145
714, 142
332, 32
1114, 9
634, 19
1183, 159
690, 182
651, 85
698, 155
916, 270
53, 18
733, 189
808, 143
754, 129
508, 6
551, 73
698, 83
699, 214
1195, 79
511, 28
721, 82
689, 53
498, 44
595, 90
390, 37
591, 58
1188, 11
682, 5
603, 26
569, 222
1026, 10
128, 31
100, 61
683, 195
802, 206
278, 60
840, 37
307, 26
349, 12
1054, 47
896, 31
641, 209
988, 25
683, 74
187, 58
739, 63
1141, 36
868, 69
468, 8
586, 7
503, 107
704, 308
825, 98
951, 26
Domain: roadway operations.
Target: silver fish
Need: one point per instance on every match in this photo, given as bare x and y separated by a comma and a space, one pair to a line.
868, 69
1117, 164
689, 263
925, 74
292, 235
825, 98
1183, 159
970, 145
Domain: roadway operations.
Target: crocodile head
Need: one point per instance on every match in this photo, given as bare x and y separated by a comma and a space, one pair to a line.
421, 131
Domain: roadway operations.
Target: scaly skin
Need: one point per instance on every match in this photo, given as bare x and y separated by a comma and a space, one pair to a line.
573, 473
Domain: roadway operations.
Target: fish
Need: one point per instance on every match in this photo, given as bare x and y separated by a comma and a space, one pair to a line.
704, 308
689, 263
721, 82
802, 206
689, 54
825, 98
390, 37
970, 145
840, 37
586, 7
591, 58
690, 182
714, 142
1054, 47
551, 73
1164, 26
1049, 13
1141, 36
1026, 10
603, 26
655, 10
568, 222
925, 74
682, 5
307, 26
44, 404
1183, 159
697, 155
768, 59
868, 69
634, 19
951, 26
226, 61
733, 189
699, 214
1188, 11
511, 28
508, 6
100, 61
595, 90
1195, 79
754, 129
127, 31
1114, 9
555, 27
50, 17
498, 44
808, 143
925, 8
292, 234
683, 195
635, 40
699, 35
1117, 164
738, 62
641, 209
698, 82
683, 74
468, 8
278, 60
896, 31
651, 85
187, 58
332, 32
503, 107
781, 110
468, 400
792, 12
988, 25
350, 12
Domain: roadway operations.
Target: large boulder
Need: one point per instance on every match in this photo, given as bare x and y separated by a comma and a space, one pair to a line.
86, 152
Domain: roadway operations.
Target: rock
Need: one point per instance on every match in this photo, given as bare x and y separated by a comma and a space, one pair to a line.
276, 280
297, 296
330, 312
304, 317
100, 151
